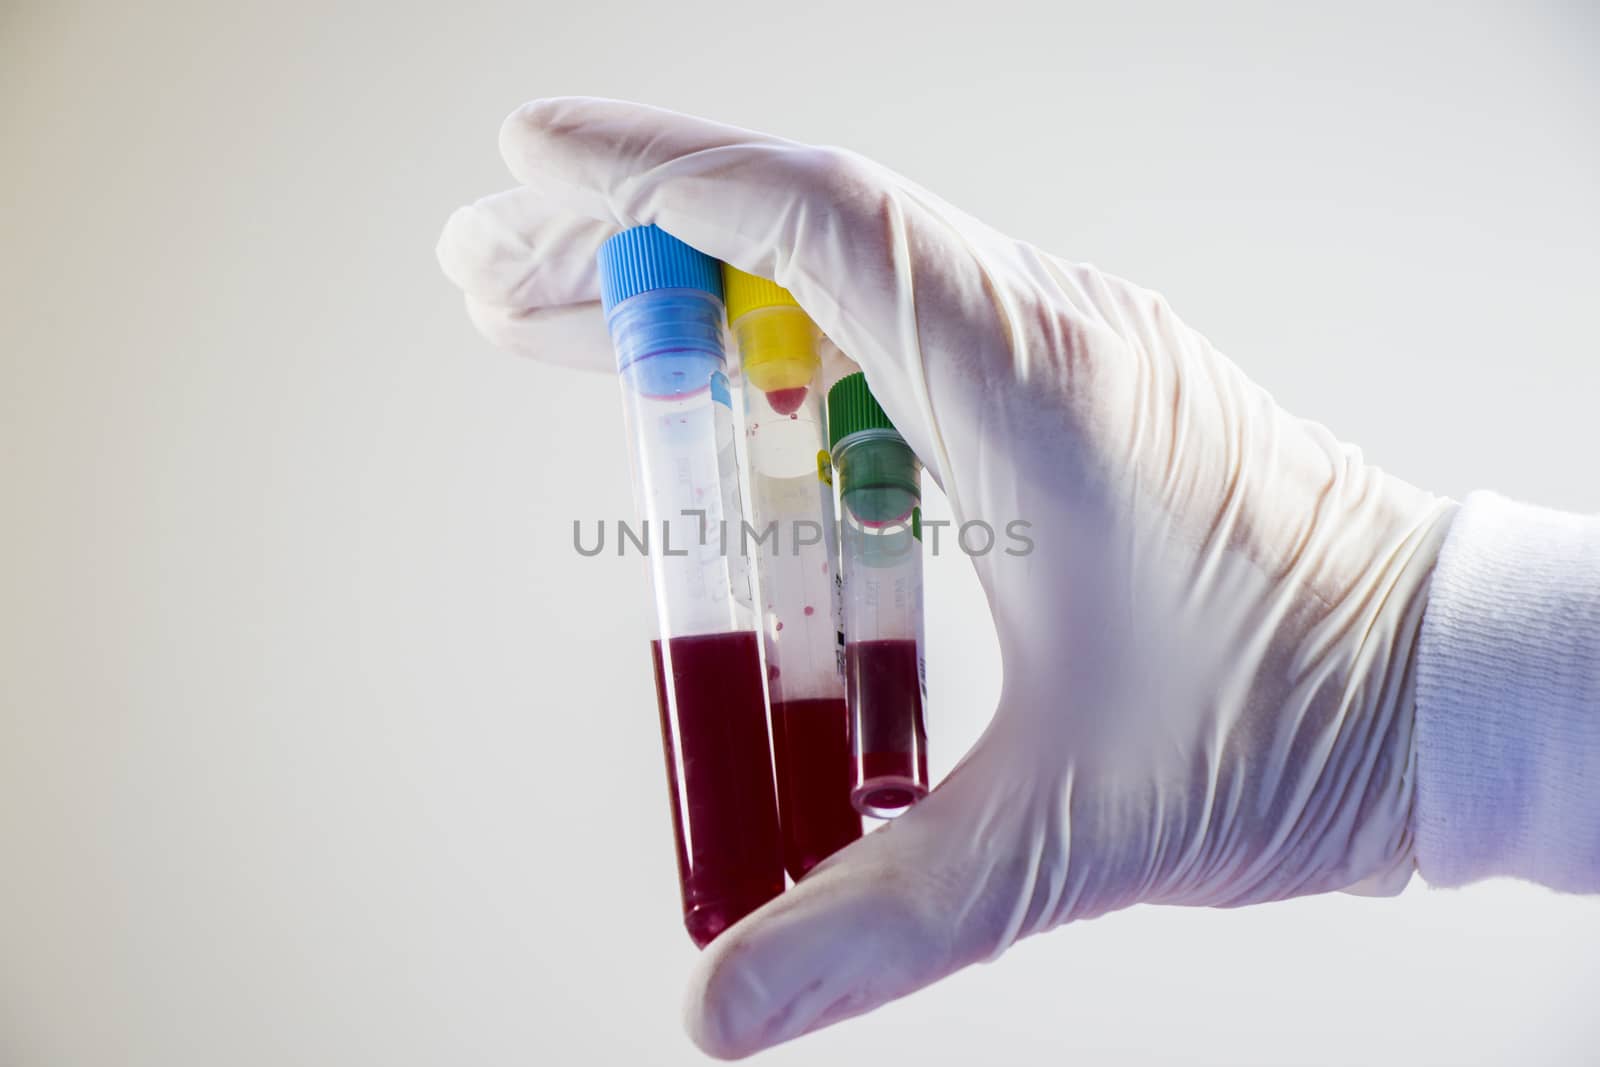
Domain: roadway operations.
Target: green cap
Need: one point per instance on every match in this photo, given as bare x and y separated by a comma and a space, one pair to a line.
852, 408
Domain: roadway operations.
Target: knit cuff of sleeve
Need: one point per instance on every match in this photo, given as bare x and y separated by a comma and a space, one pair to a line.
1508, 700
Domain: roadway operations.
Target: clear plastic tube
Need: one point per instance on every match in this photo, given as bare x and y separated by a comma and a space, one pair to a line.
793, 518
706, 655
881, 555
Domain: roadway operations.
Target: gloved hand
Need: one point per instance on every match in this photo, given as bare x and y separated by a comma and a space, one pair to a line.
1208, 654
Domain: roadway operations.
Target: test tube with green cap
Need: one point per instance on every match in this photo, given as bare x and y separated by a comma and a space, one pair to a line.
880, 542
791, 503
663, 305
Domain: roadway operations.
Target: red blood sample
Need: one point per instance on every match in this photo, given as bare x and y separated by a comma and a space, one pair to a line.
787, 401
719, 771
889, 743
811, 740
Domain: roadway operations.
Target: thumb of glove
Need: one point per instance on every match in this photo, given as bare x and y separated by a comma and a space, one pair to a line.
941, 887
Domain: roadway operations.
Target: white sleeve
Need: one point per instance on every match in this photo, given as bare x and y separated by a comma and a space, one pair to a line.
1508, 700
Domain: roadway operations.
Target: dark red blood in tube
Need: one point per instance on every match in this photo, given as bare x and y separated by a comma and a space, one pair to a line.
719, 770
811, 740
889, 742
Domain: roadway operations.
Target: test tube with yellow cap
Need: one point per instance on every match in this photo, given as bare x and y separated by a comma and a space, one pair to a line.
791, 504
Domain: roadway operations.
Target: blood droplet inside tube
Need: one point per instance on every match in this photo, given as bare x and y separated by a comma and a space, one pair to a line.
787, 401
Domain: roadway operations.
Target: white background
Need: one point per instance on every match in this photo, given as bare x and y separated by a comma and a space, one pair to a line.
318, 743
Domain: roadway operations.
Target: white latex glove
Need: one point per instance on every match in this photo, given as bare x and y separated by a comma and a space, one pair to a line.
1208, 655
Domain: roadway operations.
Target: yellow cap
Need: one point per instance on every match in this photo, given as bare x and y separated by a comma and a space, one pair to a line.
743, 292
776, 350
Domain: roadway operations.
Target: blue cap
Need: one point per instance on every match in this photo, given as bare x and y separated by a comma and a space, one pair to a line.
646, 257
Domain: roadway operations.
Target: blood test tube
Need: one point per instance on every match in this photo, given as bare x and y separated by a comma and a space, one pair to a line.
881, 554
663, 305
791, 507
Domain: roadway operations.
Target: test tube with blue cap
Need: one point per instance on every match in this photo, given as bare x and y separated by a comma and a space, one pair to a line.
663, 305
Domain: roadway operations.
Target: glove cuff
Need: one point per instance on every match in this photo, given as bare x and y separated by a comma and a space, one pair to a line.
1508, 700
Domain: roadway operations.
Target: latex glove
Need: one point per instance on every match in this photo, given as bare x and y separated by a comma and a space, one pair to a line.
1207, 657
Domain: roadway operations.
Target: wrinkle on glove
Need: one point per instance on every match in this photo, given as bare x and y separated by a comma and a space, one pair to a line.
1208, 668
